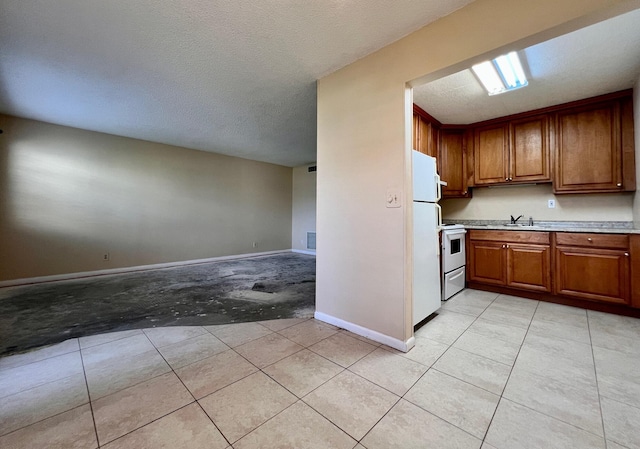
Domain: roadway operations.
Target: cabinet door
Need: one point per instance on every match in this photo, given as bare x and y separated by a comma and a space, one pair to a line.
529, 267
425, 136
592, 273
487, 262
416, 131
529, 150
452, 163
588, 149
490, 148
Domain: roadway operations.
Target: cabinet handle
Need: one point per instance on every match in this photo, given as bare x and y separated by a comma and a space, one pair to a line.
504, 246
507, 246
619, 184
626, 254
464, 193
590, 239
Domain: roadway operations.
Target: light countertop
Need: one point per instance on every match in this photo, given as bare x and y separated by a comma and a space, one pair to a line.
602, 227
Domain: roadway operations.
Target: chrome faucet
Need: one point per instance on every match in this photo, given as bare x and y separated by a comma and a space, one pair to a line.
515, 220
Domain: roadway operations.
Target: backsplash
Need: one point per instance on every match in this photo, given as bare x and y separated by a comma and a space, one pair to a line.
532, 201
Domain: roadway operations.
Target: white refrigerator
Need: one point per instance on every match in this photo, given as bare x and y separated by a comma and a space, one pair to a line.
427, 220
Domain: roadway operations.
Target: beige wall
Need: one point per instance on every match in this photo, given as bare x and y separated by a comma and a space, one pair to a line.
364, 272
531, 201
67, 196
304, 206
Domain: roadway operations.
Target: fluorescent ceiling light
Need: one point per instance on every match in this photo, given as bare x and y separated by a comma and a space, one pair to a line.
503, 74
489, 77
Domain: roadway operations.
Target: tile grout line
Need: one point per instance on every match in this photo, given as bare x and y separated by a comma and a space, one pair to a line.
35, 350
595, 373
378, 421
110, 341
435, 369
298, 398
187, 389
90, 401
510, 373
402, 397
41, 420
138, 383
86, 384
559, 381
538, 411
42, 385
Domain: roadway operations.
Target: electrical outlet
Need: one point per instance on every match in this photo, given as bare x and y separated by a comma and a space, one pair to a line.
552, 204
106, 257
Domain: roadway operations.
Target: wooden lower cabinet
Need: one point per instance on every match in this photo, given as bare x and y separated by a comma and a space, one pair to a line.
581, 268
516, 265
529, 267
593, 274
487, 262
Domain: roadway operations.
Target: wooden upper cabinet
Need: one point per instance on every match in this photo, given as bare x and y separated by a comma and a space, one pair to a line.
587, 146
416, 131
593, 148
425, 136
529, 159
491, 158
452, 163
513, 151
588, 142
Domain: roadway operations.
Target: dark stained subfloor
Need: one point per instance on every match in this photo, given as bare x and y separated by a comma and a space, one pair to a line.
250, 289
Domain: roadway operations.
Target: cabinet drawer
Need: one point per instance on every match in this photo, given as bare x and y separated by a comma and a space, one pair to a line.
510, 236
593, 240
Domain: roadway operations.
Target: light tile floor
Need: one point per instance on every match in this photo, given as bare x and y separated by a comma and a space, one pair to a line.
490, 371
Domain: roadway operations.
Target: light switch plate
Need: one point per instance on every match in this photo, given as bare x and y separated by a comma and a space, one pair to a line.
552, 204
393, 198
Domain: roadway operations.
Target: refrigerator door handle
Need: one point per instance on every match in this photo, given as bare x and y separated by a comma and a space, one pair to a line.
438, 229
439, 184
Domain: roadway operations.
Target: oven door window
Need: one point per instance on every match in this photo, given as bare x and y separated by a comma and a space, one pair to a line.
455, 246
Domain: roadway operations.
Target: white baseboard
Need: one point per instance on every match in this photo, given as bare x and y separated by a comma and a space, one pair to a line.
400, 345
304, 251
87, 274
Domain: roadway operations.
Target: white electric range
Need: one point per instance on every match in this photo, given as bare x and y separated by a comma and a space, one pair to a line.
453, 260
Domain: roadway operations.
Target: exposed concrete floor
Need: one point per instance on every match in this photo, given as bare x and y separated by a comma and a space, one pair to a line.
251, 289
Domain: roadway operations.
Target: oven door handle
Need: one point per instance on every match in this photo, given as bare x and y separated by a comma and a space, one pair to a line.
456, 276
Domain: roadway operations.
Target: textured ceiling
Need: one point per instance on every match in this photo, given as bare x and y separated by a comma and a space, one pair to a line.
234, 77
595, 60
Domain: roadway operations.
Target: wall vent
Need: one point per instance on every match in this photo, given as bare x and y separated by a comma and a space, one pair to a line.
311, 240
312, 168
